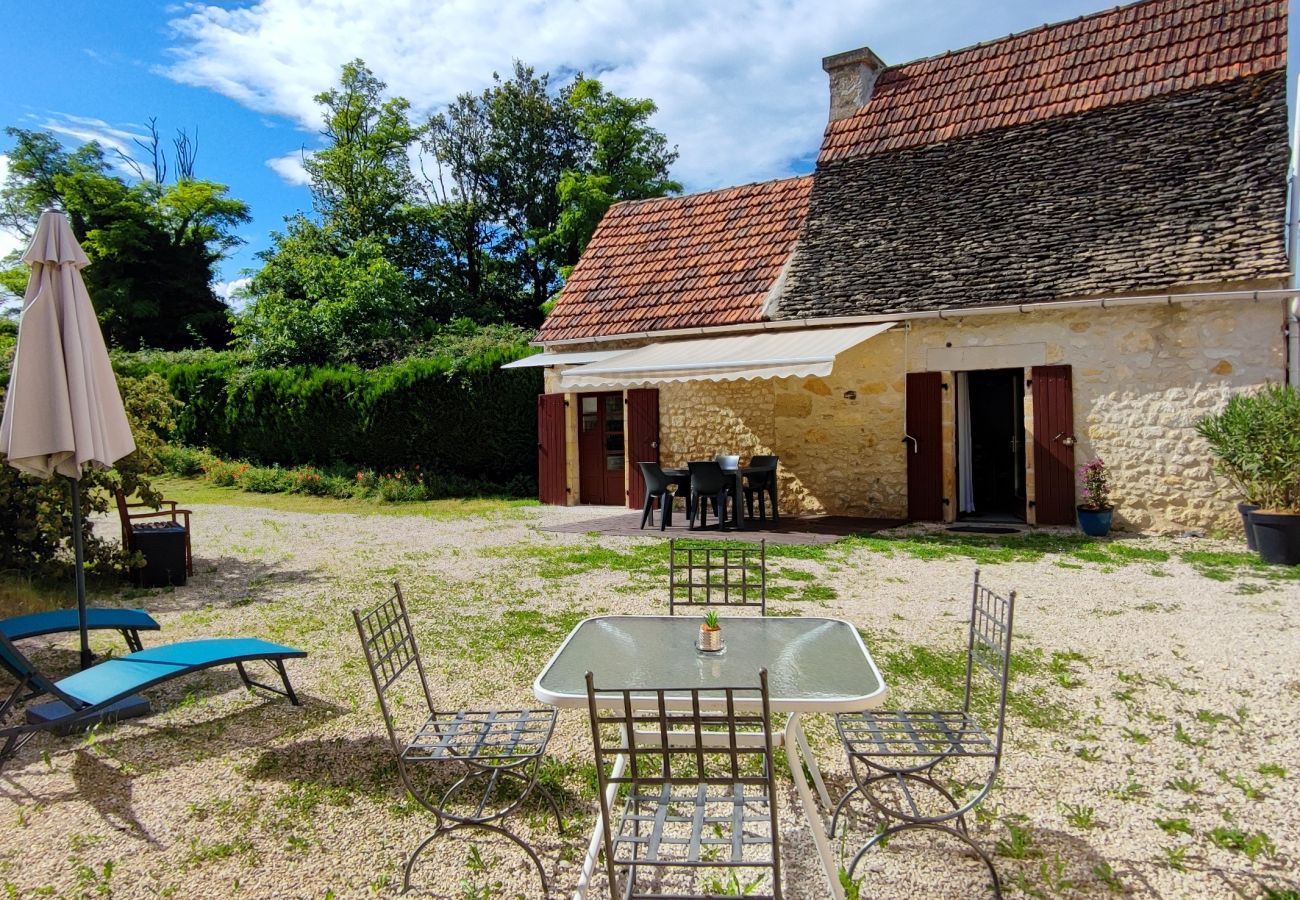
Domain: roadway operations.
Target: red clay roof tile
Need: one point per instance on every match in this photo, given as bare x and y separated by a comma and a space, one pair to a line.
1128, 53
681, 262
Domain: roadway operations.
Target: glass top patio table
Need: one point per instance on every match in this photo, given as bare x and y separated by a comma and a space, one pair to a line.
813, 664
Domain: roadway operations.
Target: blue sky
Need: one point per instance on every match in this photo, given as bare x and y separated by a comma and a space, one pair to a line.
739, 84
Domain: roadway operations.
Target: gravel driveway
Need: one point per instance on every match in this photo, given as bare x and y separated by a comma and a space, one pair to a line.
1152, 742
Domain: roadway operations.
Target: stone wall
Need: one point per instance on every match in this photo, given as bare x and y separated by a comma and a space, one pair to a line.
1143, 375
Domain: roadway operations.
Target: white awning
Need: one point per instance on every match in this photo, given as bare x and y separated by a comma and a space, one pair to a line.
796, 353
562, 359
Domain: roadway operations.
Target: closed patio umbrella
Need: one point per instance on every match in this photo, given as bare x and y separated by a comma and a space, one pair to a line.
63, 408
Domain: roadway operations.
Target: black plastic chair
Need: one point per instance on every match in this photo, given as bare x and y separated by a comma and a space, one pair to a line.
764, 485
709, 482
657, 486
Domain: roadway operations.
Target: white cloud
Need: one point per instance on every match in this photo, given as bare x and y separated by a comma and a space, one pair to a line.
739, 85
289, 168
231, 291
118, 141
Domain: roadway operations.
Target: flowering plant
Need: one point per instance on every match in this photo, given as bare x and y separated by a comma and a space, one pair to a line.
1095, 481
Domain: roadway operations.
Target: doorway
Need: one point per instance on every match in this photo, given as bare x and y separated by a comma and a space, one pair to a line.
991, 444
601, 461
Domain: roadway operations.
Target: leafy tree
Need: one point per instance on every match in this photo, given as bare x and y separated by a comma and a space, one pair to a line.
319, 299
627, 159
527, 173
153, 246
361, 180
357, 281
517, 177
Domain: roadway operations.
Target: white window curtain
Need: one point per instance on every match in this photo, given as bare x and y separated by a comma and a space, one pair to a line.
965, 482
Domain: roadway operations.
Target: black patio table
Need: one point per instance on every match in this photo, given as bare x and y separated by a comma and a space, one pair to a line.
738, 518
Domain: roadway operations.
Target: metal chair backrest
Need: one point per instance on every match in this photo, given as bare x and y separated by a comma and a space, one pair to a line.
728, 461
711, 735
718, 575
708, 477
656, 482
989, 646
390, 649
683, 737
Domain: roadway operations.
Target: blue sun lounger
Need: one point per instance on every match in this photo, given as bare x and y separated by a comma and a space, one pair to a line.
130, 622
82, 698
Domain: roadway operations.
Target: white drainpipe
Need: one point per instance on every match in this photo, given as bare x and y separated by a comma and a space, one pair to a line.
1293, 250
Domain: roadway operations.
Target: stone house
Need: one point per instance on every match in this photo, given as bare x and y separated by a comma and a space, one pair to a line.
1010, 259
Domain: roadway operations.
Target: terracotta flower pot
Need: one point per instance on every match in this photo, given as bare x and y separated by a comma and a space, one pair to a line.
710, 639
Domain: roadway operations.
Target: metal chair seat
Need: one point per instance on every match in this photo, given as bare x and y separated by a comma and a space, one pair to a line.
484, 739
911, 734
674, 825
895, 756
698, 790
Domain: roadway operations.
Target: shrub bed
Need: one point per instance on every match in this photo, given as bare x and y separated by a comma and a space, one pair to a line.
393, 486
454, 414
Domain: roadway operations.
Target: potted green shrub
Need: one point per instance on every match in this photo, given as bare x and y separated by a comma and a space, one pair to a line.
1095, 511
1230, 436
1256, 443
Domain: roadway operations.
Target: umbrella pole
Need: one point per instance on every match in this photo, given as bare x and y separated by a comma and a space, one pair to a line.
79, 554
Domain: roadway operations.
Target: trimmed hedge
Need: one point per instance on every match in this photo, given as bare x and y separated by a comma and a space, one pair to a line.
461, 416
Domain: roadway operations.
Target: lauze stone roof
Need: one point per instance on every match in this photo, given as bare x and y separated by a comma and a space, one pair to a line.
681, 262
1136, 150
1178, 190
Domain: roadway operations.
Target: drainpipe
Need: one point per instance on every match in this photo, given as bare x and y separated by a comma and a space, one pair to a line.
1293, 250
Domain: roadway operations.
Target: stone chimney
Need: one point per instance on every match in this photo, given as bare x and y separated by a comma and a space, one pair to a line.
853, 76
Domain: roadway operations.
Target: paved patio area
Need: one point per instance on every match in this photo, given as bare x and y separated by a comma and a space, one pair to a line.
615, 521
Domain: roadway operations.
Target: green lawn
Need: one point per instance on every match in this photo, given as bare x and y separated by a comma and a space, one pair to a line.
195, 491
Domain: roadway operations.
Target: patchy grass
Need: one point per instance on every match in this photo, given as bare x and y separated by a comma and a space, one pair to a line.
942, 675
1225, 565
555, 560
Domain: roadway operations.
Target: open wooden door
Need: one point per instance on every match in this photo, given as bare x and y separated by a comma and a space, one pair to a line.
1053, 393
924, 446
550, 449
642, 439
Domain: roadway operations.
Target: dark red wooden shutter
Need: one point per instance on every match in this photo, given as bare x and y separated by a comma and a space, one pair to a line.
1052, 390
642, 439
550, 449
924, 446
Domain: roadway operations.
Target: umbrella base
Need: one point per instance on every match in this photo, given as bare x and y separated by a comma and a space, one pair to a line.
127, 708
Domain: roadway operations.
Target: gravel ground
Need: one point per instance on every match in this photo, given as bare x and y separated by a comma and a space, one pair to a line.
1152, 747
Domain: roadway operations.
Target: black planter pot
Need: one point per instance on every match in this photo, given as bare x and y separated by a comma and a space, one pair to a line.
1277, 535
1246, 509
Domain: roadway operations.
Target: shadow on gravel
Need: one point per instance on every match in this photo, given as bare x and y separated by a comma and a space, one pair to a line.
222, 583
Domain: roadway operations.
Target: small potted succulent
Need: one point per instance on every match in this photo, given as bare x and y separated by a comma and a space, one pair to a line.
1096, 510
710, 633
